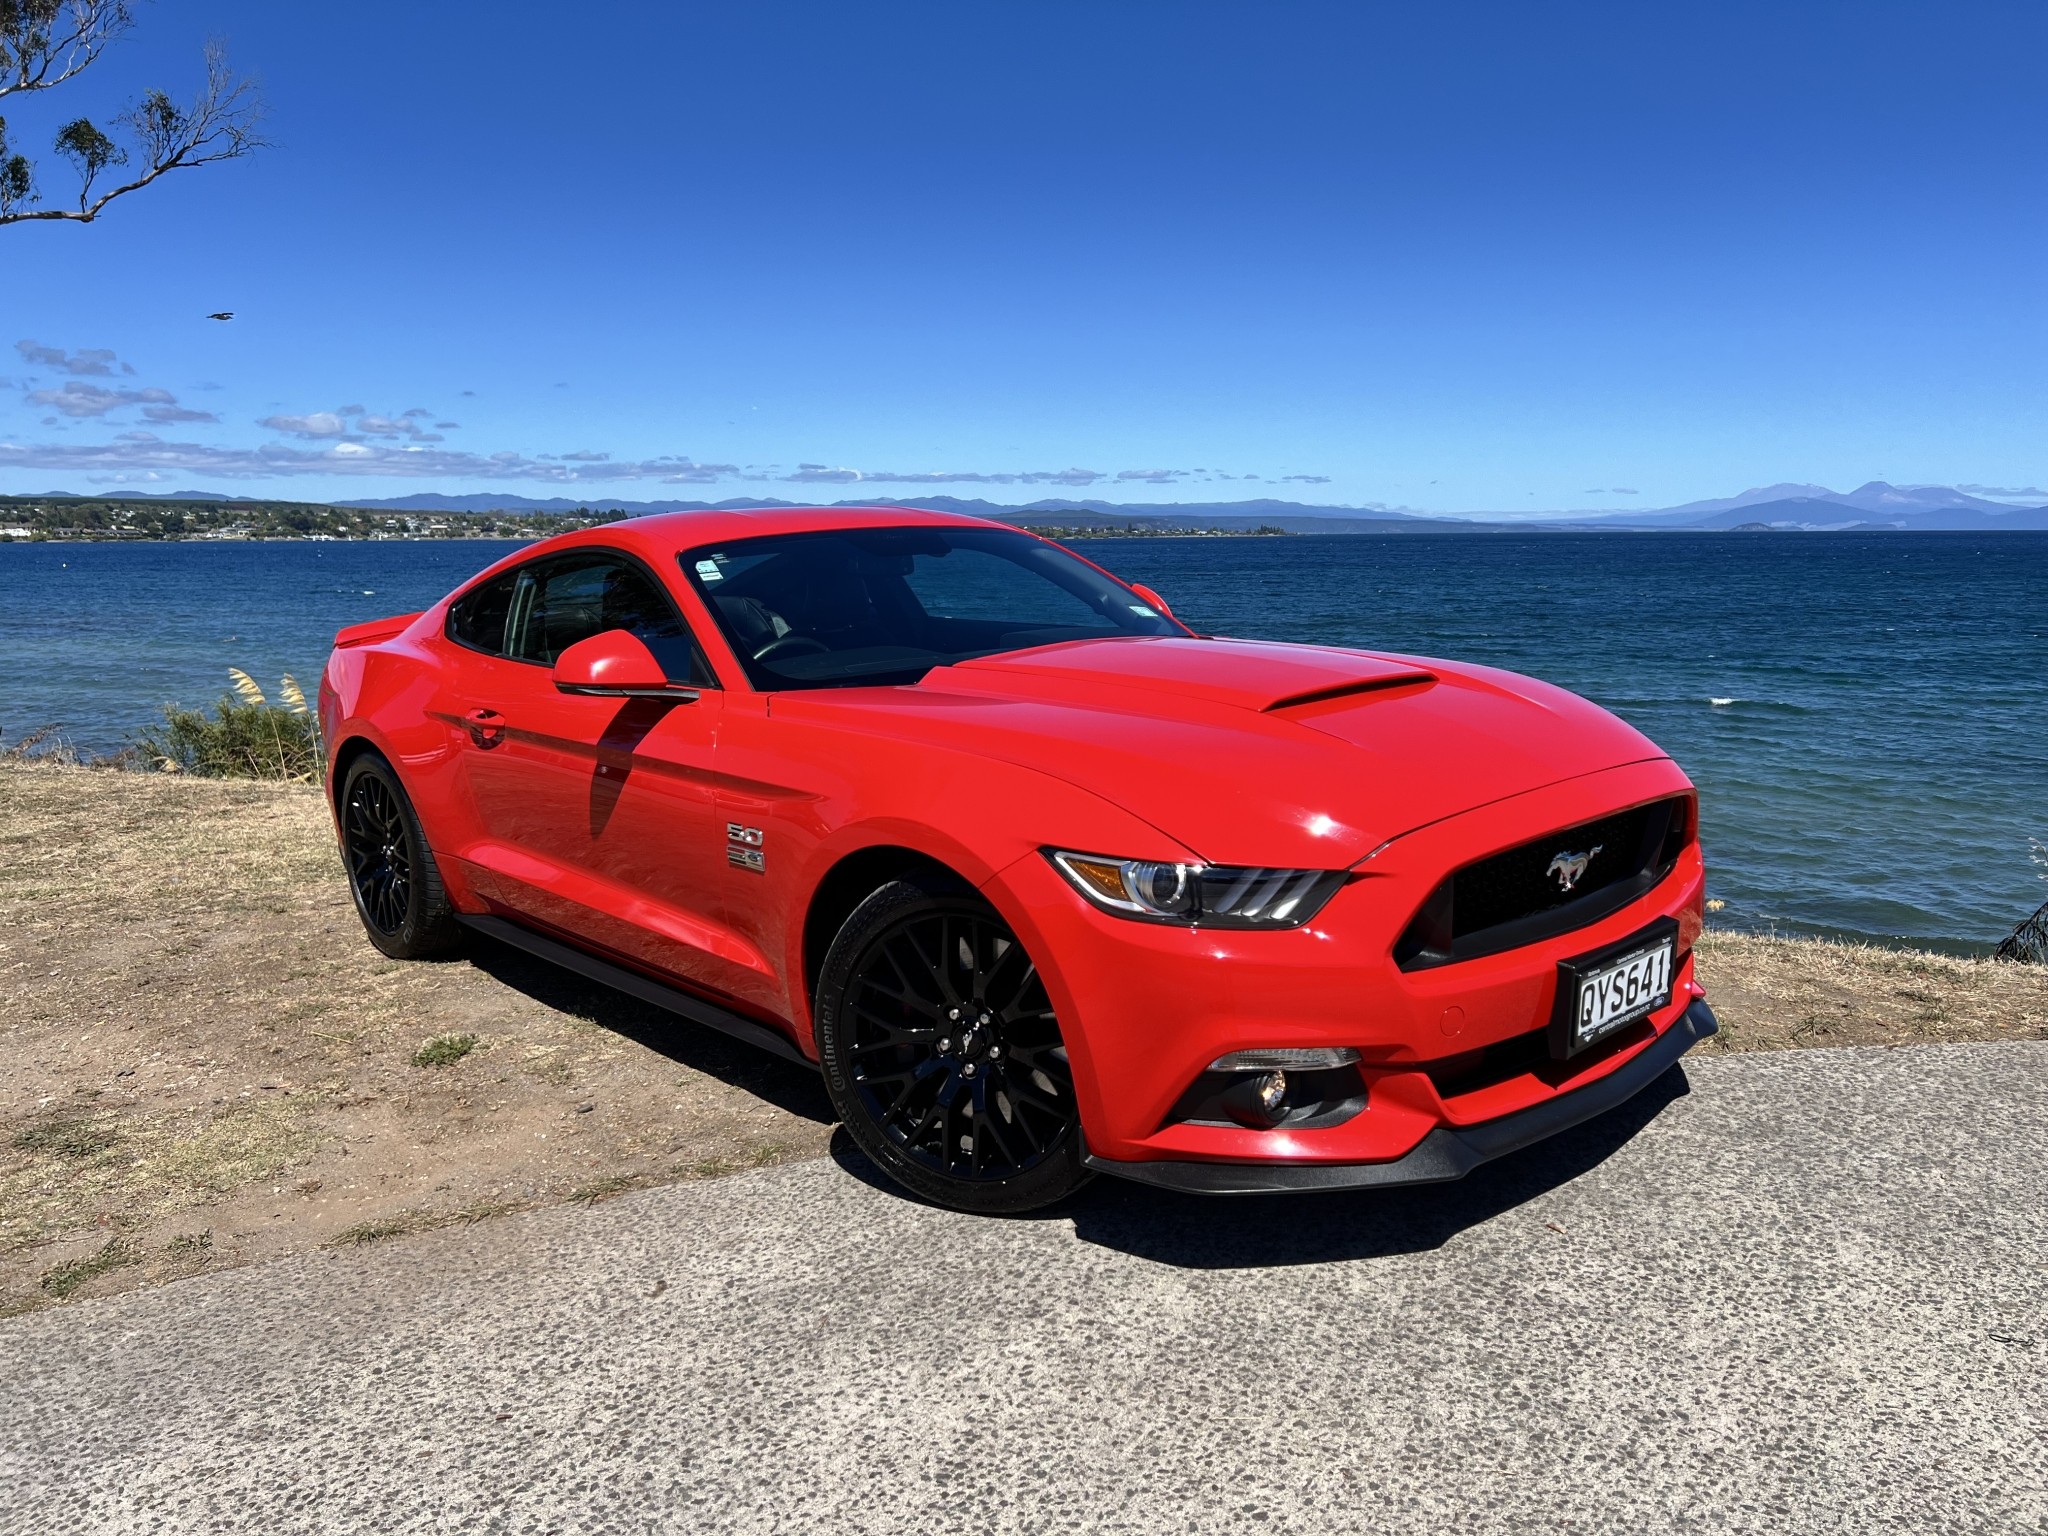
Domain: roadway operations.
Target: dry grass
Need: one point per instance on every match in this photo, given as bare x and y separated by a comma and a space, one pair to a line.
1772, 994
207, 1065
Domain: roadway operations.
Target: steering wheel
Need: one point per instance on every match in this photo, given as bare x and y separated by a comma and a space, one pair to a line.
790, 644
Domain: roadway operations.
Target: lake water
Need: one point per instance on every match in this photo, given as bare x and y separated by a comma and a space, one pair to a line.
1866, 715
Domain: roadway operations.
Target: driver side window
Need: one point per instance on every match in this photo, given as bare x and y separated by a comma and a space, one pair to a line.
555, 603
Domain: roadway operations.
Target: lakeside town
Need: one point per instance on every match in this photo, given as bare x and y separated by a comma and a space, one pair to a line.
30, 519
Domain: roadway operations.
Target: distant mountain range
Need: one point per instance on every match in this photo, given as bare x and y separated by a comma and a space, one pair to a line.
1875, 506
1295, 517
1791, 508
1813, 508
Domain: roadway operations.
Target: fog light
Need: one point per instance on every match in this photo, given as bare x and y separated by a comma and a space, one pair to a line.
1287, 1059
1271, 1092
1257, 1100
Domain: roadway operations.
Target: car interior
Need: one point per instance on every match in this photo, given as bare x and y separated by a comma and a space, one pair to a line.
887, 605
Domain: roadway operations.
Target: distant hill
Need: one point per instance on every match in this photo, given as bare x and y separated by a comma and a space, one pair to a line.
1228, 516
487, 501
1877, 505
1808, 514
1815, 508
1786, 507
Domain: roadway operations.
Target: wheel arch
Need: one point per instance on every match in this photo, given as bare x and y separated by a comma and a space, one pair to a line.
849, 882
346, 751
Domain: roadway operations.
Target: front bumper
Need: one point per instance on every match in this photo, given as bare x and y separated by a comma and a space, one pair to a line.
1144, 1007
1446, 1153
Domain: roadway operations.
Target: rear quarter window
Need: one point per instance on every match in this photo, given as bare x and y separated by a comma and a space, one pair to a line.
477, 618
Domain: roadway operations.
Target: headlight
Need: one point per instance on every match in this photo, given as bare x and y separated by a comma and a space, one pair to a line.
1199, 895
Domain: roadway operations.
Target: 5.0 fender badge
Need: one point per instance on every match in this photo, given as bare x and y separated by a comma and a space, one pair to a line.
743, 848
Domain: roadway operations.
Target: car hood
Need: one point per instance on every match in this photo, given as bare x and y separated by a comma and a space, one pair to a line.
1247, 752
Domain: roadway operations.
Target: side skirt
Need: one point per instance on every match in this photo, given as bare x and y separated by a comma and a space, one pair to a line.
687, 1004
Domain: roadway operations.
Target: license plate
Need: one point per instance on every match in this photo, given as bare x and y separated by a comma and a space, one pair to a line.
1601, 993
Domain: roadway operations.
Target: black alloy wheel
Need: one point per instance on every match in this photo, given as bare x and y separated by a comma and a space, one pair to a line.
942, 1053
391, 870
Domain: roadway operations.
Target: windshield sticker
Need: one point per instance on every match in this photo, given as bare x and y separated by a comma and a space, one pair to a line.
1144, 612
708, 570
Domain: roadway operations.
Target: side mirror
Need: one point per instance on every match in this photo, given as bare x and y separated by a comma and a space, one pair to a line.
1151, 597
616, 665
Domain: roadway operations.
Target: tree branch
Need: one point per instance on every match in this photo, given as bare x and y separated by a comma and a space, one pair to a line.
221, 124
30, 49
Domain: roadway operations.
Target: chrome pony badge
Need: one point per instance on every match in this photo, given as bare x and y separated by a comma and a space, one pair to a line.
1570, 868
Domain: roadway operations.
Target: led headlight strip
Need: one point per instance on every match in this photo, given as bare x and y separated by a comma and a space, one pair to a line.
1198, 895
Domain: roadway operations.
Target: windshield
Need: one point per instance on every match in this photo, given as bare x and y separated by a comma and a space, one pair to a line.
864, 606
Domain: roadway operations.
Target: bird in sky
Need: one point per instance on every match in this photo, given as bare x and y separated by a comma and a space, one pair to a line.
222, 314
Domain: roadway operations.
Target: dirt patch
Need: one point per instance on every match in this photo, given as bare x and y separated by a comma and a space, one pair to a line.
208, 1065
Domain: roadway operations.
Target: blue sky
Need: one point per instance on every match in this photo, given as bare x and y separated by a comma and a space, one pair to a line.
1441, 256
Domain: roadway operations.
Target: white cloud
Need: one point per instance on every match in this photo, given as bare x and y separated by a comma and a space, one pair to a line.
358, 444
353, 421
79, 400
90, 361
826, 474
134, 452
319, 424
2003, 491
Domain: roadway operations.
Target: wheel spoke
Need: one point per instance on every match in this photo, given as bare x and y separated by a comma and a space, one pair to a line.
377, 854
974, 1112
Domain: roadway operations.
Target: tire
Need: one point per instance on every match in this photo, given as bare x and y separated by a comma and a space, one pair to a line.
942, 1055
391, 870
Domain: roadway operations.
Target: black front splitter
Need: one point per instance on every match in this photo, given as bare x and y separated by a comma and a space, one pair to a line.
1446, 1153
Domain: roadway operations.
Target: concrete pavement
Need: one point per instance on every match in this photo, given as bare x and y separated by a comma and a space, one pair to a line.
1808, 1294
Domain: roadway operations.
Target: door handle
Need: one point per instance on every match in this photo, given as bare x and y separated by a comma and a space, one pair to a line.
486, 727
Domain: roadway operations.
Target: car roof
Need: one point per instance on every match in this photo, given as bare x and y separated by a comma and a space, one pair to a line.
666, 533
658, 537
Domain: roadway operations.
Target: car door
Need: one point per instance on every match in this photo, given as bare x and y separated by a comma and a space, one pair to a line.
598, 816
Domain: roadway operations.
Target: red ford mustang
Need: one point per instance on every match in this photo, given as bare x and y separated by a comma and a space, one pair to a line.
1042, 880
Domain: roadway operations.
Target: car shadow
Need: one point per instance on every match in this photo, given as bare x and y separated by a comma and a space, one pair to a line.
1164, 1226
1265, 1231
1269, 1231
789, 1087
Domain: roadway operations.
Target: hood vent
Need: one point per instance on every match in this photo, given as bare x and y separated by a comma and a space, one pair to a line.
1348, 690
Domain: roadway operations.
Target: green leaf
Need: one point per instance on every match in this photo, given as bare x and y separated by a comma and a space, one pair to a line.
87, 148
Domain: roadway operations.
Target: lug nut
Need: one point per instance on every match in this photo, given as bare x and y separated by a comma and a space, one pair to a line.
968, 1070
952, 1013
945, 1046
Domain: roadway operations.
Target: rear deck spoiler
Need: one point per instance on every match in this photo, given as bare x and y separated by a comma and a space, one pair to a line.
373, 631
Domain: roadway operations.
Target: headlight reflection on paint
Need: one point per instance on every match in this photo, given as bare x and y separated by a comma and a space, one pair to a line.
1199, 895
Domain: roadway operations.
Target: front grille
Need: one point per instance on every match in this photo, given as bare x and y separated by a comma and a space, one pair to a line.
1519, 896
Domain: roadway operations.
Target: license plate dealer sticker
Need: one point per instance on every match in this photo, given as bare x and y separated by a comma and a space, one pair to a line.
1611, 990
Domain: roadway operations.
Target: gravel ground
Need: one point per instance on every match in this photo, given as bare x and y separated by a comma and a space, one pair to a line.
1783, 1292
